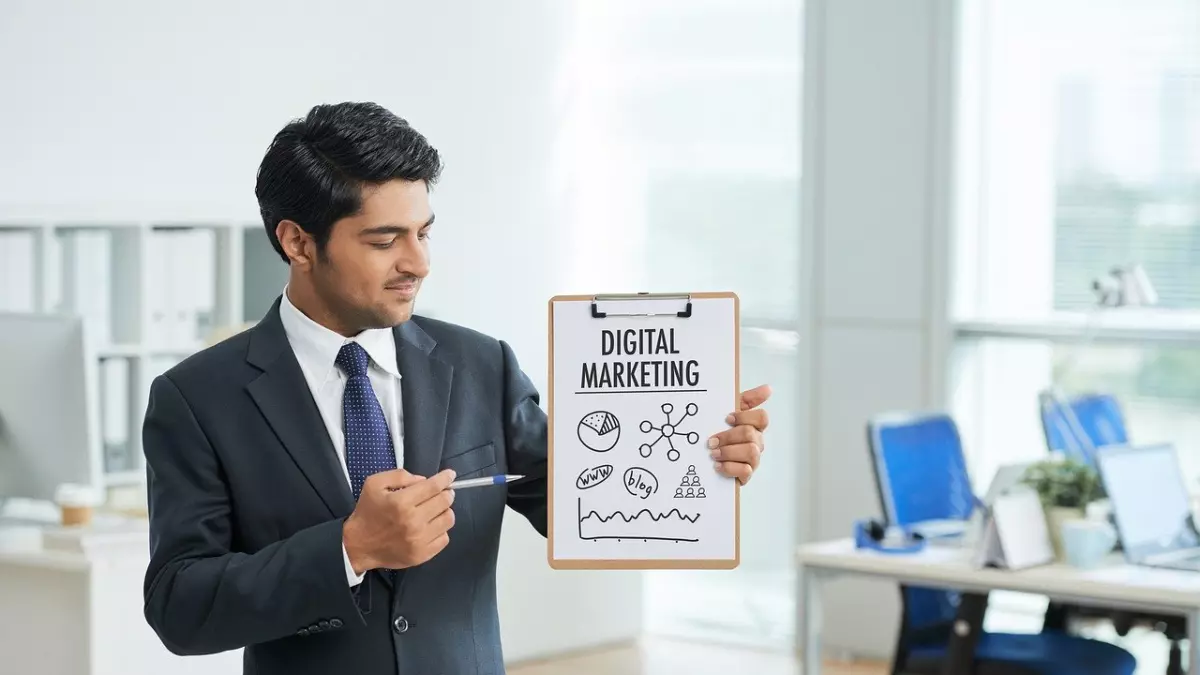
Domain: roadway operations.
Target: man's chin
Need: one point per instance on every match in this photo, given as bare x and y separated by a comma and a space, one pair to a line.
395, 314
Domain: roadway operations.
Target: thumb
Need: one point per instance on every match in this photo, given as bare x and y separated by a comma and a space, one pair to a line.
755, 397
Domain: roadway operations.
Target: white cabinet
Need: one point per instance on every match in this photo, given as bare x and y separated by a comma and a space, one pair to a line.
74, 607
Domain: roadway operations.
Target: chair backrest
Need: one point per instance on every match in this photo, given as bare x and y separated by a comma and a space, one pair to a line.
921, 474
1079, 425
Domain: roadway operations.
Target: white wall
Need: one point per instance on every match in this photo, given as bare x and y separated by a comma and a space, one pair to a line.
138, 107
876, 142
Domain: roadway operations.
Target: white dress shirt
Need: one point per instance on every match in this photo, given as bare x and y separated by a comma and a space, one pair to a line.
316, 348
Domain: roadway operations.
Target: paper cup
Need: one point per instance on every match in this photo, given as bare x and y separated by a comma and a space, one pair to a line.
77, 503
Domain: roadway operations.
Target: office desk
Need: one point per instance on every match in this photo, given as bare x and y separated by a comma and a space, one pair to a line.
1115, 585
72, 602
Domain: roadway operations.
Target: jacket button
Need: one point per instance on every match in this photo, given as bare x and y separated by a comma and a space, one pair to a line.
400, 624
324, 625
336, 623
303, 632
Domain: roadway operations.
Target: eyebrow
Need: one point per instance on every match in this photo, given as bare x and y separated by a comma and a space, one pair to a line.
393, 229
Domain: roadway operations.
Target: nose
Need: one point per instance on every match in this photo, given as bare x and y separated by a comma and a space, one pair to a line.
414, 259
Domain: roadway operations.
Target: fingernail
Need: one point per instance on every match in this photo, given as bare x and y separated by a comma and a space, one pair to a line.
713, 442
715, 452
453, 474
717, 466
729, 419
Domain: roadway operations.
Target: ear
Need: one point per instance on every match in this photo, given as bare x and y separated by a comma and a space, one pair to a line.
296, 243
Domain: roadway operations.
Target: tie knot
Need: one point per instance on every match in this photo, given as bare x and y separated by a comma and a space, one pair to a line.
352, 359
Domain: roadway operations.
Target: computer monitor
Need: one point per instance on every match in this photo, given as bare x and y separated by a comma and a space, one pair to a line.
1150, 502
49, 412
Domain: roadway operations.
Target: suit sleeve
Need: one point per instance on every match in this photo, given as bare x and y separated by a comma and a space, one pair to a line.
203, 597
526, 437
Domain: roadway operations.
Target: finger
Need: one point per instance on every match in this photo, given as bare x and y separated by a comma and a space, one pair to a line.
746, 453
422, 490
396, 479
738, 470
439, 543
756, 418
741, 434
752, 398
434, 547
441, 524
435, 506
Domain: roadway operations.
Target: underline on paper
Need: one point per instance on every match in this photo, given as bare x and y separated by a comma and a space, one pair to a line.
643, 391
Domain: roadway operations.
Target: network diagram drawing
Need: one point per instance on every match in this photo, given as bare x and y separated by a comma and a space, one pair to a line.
669, 431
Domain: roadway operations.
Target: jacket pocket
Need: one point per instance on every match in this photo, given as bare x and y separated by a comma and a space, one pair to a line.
470, 461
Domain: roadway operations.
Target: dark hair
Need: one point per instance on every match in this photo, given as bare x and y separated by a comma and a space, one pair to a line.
316, 167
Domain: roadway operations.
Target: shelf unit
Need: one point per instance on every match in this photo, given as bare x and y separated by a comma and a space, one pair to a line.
151, 292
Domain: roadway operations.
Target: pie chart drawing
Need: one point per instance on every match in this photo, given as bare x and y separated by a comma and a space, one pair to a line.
599, 431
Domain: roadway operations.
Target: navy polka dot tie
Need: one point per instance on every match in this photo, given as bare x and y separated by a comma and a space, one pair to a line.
369, 448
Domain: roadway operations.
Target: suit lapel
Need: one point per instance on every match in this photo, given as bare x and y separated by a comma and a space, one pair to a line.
283, 396
425, 383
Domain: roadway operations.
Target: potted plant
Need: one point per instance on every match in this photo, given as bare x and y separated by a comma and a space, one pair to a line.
1066, 487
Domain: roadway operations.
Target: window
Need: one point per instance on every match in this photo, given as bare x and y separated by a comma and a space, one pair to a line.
684, 175
1079, 151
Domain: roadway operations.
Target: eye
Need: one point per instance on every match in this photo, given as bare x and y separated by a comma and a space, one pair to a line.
424, 234
382, 244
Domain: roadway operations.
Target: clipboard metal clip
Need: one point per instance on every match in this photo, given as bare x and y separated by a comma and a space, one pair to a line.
685, 313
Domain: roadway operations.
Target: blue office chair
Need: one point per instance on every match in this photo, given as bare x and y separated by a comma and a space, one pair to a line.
1076, 426
921, 474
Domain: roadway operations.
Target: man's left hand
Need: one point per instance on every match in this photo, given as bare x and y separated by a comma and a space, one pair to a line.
736, 451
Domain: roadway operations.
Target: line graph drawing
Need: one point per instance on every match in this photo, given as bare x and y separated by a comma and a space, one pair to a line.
668, 431
645, 525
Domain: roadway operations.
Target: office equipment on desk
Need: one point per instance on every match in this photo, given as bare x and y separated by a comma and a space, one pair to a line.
1078, 427
874, 535
638, 384
921, 475
1007, 477
501, 479
1151, 505
1015, 534
49, 414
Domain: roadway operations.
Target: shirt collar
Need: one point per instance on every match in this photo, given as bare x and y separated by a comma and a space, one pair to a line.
317, 347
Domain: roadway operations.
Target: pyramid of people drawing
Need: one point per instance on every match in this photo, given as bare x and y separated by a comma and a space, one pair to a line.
689, 485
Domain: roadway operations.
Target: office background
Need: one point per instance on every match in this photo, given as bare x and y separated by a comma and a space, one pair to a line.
911, 199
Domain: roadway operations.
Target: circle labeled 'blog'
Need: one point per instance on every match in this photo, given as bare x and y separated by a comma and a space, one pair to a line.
599, 431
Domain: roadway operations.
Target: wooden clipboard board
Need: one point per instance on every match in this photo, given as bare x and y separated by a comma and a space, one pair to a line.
643, 404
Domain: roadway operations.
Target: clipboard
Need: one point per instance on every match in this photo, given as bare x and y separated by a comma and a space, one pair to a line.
637, 384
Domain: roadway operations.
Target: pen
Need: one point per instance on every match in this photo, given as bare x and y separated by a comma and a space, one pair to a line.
487, 480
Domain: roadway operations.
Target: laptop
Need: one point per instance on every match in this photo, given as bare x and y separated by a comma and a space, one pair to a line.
1150, 505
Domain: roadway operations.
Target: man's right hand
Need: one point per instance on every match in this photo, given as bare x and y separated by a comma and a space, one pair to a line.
401, 520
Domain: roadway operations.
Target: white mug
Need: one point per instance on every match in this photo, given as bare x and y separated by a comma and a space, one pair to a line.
1086, 543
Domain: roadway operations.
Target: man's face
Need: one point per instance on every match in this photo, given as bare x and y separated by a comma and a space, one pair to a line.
374, 262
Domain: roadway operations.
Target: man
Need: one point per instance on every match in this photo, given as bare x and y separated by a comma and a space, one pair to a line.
299, 471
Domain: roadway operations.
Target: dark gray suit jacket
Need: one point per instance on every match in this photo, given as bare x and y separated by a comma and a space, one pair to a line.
247, 501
